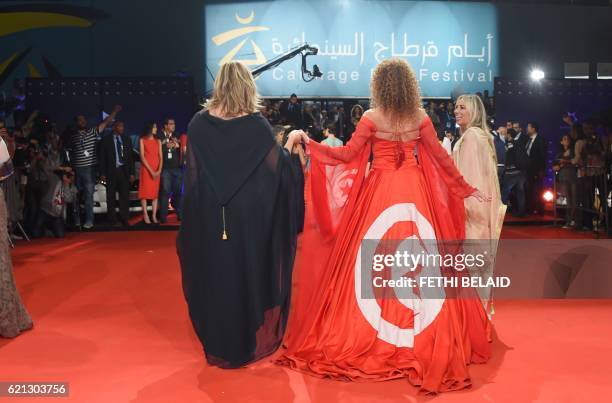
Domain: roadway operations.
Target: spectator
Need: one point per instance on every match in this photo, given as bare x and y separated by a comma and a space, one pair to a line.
593, 158
341, 124
83, 159
356, 114
171, 176
443, 117
117, 169
451, 123
577, 135
316, 113
324, 119
519, 138
330, 136
432, 112
567, 177
37, 172
515, 174
52, 147
275, 115
452, 138
308, 117
151, 160
292, 111
499, 140
446, 144
536, 169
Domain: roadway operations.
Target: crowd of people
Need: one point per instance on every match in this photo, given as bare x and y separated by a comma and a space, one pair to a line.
522, 153
582, 164
315, 117
56, 173
440, 167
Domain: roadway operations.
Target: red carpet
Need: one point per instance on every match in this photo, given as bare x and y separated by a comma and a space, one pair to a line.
110, 319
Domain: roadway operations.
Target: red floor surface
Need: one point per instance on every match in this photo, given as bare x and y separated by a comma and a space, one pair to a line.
110, 319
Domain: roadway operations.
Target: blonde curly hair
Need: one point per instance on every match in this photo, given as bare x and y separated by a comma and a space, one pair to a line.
395, 90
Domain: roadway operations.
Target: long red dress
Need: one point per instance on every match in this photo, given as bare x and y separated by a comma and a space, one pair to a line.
334, 332
148, 187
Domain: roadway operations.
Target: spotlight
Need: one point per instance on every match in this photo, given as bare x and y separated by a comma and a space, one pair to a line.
536, 74
548, 196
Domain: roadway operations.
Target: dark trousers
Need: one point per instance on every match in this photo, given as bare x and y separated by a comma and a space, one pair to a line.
170, 187
514, 182
533, 189
86, 185
44, 221
569, 188
500, 176
118, 181
35, 191
589, 183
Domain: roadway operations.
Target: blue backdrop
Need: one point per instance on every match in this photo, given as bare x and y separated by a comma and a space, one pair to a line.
452, 46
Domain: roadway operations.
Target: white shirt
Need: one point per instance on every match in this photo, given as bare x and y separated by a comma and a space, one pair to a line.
531, 140
446, 143
4, 154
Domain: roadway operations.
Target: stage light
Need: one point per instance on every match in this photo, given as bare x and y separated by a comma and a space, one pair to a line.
548, 196
537, 74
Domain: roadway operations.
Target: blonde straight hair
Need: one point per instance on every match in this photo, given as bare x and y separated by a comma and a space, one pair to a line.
235, 92
478, 114
474, 104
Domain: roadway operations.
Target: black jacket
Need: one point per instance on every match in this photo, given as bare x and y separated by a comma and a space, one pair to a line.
107, 159
536, 156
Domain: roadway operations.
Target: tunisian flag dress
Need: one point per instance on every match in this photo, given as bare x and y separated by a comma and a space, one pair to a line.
411, 189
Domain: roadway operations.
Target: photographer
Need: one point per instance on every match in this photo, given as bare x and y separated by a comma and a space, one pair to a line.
60, 191
37, 172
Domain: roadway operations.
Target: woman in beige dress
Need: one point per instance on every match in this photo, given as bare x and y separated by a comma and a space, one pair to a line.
13, 316
474, 155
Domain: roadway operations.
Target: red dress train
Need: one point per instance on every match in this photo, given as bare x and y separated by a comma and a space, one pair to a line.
334, 332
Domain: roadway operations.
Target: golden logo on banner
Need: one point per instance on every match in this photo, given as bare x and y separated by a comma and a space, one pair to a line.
230, 35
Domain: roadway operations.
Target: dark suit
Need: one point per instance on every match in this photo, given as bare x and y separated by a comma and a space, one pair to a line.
515, 175
117, 177
292, 113
500, 153
521, 139
536, 170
